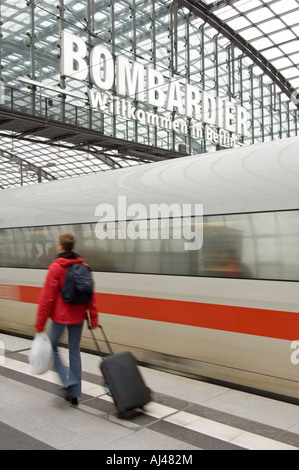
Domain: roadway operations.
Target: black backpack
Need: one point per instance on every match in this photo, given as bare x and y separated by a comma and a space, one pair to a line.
78, 285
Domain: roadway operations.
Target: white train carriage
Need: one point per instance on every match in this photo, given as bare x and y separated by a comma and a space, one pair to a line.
227, 310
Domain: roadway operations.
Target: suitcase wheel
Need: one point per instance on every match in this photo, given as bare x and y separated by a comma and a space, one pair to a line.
127, 414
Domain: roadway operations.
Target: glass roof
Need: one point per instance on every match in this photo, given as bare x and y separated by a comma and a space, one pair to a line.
26, 162
270, 26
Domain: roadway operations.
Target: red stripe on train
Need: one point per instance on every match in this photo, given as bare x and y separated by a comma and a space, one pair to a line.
252, 321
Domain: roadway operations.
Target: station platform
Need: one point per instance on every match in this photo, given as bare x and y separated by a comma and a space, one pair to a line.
185, 415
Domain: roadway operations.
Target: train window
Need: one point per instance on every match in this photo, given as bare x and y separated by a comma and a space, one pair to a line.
6, 244
257, 245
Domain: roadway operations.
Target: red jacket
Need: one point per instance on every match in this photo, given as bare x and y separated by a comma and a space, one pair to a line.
51, 304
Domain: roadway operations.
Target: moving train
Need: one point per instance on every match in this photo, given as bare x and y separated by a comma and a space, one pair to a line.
195, 261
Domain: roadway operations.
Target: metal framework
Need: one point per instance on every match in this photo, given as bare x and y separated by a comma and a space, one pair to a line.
200, 9
243, 51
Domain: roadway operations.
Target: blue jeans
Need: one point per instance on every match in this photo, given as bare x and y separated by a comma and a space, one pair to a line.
72, 377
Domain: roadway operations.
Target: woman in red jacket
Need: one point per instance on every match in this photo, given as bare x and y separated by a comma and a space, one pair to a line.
64, 315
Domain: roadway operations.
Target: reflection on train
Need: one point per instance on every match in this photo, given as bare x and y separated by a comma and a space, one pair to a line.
260, 246
227, 311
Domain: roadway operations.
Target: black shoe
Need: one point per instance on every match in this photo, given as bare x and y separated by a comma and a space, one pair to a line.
69, 397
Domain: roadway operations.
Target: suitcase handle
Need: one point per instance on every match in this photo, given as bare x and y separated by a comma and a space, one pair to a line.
94, 338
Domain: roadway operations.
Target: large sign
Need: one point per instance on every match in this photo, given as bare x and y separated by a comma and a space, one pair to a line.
141, 93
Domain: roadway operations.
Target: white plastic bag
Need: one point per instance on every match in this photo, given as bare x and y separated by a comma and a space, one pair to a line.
41, 354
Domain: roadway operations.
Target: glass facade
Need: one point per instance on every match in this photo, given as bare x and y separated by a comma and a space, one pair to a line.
186, 54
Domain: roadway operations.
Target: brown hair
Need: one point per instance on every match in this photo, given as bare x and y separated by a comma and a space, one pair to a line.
67, 241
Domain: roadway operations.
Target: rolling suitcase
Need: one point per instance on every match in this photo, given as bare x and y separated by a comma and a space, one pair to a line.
123, 380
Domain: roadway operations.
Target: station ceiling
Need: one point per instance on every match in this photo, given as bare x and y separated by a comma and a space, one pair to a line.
267, 31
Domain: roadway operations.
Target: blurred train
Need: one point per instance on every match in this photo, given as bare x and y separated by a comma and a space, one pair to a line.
227, 310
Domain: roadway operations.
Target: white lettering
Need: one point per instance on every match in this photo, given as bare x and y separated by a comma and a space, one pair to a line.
242, 121
152, 119
73, 55
223, 138
192, 226
174, 98
220, 114
163, 221
295, 354
140, 115
105, 228
192, 101
101, 67
155, 83
229, 116
196, 131
97, 99
147, 85
208, 108
117, 460
130, 79
163, 211
137, 228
